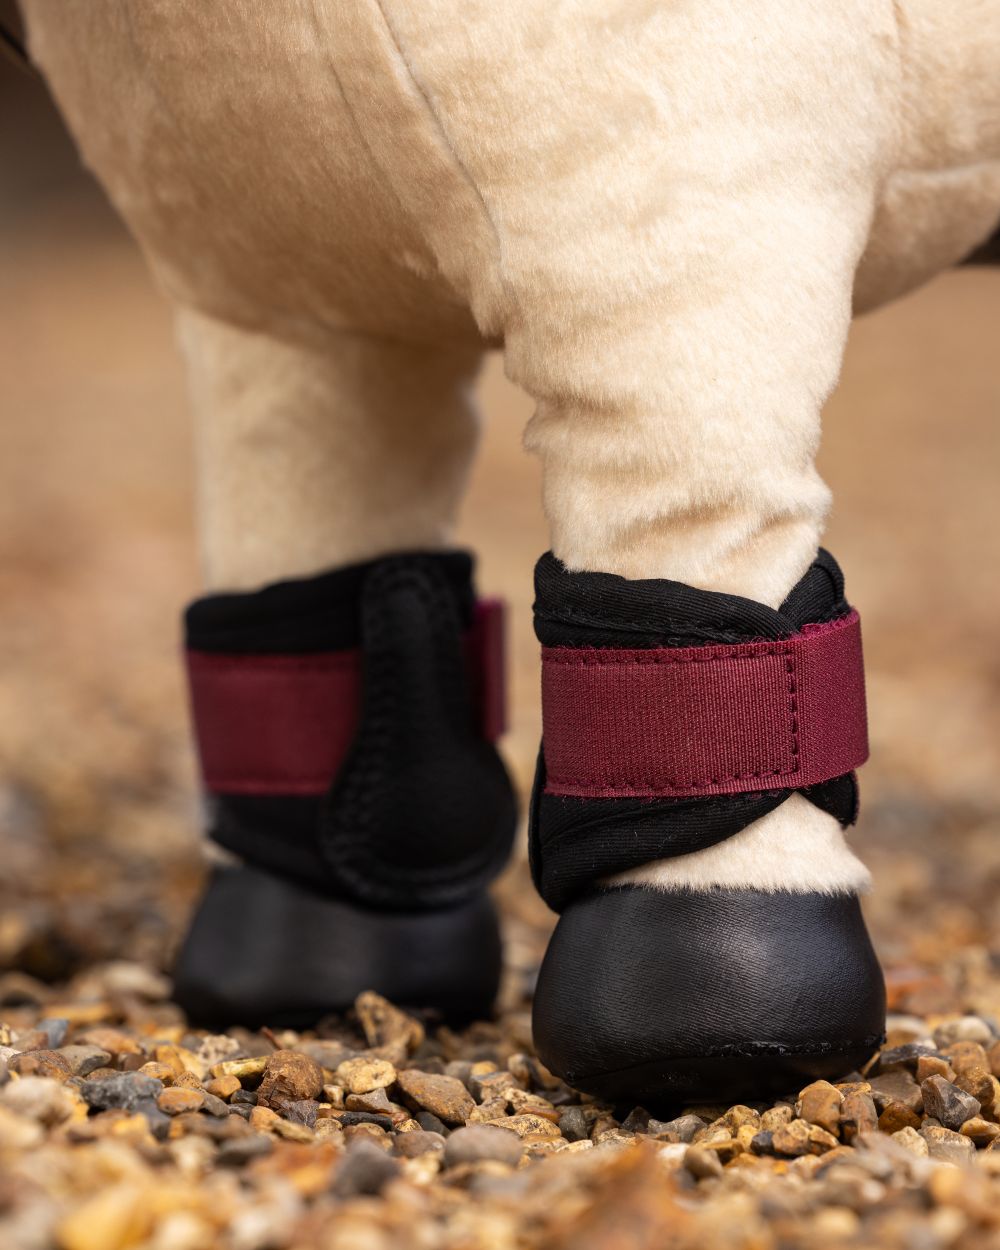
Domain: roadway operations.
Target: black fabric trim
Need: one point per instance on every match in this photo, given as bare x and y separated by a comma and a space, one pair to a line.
305, 614
574, 842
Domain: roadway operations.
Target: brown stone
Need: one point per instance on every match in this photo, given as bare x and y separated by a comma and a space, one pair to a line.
364, 1074
993, 1058
895, 1116
112, 1040
375, 1101
159, 1072
977, 1081
48, 1063
223, 1087
934, 1065
443, 1096
965, 1055
911, 1141
775, 1117
177, 1099
858, 1115
820, 1103
386, 1026
801, 1138
980, 1131
739, 1117
289, 1076
527, 1126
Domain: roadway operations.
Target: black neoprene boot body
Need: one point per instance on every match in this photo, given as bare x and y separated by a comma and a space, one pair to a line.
345, 728
674, 718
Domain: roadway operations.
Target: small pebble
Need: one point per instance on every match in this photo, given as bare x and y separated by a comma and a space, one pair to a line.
479, 1142
175, 1100
362, 1075
289, 1076
911, 1140
573, 1124
820, 1103
411, 1145
946, 1146
365, 1169
443, 1096
124, 1090
947, 1103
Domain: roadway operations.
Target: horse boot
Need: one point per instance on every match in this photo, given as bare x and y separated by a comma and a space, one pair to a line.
345, 725
673, 719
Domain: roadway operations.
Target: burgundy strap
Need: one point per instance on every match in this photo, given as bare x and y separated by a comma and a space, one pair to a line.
282, 724
688, 721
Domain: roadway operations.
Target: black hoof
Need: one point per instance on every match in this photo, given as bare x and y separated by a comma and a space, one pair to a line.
262, 950
659, 998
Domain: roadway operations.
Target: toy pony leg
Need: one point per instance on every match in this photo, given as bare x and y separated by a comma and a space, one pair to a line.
345, 683
680, 198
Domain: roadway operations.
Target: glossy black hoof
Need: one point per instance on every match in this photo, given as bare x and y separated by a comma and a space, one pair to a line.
262, 950
660, 999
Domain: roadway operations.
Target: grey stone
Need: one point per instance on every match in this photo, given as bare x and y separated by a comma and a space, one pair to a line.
239, 1150
55, 1029
125, 1090
965, 1029
83, 1059
904, 1056
947, 1146
428, 1121
366, 1117
573, 1124
410, 1145
947, 1103
304, 1111
215, 1106
896, 1086
682, 1129
366, 1169
477, 1142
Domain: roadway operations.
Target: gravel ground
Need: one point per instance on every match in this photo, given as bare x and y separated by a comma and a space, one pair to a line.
120, 1127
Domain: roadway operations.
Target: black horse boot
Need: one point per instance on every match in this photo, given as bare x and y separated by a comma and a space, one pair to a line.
345, 725
673, 718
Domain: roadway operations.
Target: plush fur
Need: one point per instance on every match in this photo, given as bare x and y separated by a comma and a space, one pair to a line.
663, 212
796, 848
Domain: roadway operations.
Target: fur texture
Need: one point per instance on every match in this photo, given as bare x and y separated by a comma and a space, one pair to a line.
663, 212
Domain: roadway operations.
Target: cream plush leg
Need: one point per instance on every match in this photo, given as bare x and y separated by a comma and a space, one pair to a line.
680, 196
324, 454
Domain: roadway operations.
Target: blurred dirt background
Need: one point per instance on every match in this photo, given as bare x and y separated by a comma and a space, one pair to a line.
99, 847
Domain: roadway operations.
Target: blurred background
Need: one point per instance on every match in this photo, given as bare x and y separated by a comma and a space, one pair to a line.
99, 848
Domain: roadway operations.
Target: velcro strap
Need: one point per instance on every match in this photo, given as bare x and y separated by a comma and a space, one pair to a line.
283, 724
688, 721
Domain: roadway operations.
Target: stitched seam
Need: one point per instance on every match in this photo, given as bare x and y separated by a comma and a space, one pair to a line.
614, 658
452, 152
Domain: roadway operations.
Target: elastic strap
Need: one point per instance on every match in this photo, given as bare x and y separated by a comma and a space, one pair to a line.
684, 722
282, 724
